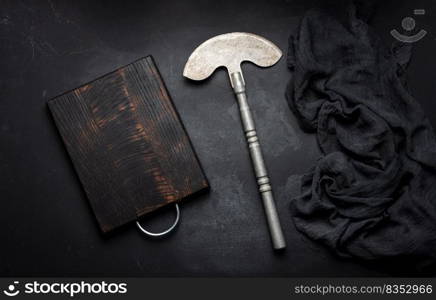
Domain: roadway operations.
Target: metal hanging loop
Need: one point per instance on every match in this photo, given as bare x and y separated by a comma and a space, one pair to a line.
163, 233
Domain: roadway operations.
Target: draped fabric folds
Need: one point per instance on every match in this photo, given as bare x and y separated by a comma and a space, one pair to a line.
372, 194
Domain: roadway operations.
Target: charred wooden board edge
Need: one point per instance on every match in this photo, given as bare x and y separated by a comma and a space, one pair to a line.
205, 182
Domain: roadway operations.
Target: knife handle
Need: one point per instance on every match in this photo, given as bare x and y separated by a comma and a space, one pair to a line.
258, 162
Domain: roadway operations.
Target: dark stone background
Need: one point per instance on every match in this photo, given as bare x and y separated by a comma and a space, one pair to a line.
46, 225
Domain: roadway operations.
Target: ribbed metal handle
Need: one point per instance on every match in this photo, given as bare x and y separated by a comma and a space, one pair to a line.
263, 181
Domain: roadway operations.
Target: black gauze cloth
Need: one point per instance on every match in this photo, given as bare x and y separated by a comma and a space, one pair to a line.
372, 195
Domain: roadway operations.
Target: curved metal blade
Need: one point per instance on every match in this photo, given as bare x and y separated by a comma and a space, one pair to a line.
230, 50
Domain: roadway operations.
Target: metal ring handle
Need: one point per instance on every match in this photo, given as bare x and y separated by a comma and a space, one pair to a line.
163, 233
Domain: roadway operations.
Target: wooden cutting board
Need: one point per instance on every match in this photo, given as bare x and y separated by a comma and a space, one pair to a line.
128, 144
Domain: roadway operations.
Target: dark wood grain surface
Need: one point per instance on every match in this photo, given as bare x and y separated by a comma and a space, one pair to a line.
127, 144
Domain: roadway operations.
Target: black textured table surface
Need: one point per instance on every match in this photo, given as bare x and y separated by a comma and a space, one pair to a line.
46, 224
